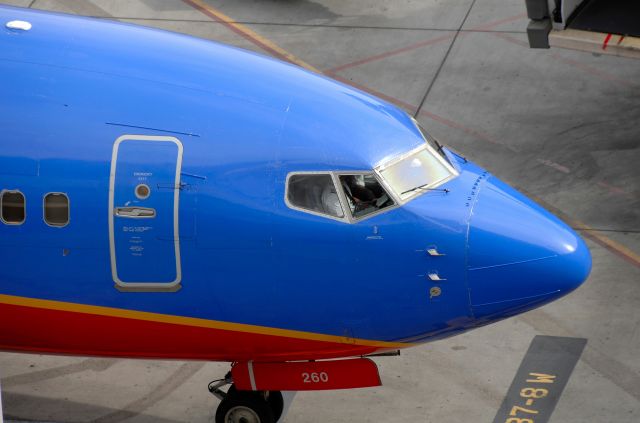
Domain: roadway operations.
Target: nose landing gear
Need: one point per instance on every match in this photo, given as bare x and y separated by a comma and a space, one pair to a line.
255, 391
246, 406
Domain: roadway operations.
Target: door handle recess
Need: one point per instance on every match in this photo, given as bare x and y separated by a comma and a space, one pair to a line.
139, 212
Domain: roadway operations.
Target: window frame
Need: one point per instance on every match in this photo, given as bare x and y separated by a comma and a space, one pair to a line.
344, 203
453, 172
24, 197
387, 190
344, 217
44, 207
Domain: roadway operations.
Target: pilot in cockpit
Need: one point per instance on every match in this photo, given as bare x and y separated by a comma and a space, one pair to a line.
356, 191
316, 192
358, 196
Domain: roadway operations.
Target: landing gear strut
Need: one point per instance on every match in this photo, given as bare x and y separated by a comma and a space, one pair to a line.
246, 406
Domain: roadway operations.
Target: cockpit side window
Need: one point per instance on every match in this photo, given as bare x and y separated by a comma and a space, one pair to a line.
364, 194
314, 192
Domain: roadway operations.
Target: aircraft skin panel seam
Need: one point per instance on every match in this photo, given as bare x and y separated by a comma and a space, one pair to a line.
471, 269
192, 321
530, 297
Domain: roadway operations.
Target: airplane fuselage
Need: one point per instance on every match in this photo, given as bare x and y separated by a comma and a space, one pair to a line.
209, 260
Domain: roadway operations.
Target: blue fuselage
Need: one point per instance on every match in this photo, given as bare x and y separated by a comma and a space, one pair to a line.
71, 87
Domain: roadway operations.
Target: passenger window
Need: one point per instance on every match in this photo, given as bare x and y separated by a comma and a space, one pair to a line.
56, 209
13, 208
364, 194
314, 192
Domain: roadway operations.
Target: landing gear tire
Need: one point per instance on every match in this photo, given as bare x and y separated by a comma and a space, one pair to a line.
276, 402
274, 399
245, 407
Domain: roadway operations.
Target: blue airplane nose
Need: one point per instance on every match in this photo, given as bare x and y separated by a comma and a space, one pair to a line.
519, 255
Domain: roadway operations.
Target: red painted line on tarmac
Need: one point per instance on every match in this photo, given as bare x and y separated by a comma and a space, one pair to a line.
561, 168
595, 72
554, 165
620, 40
388, 54
585, 68
606, 41
468, 130
419, 45
430, 115
511, 40
614, 189
383, 96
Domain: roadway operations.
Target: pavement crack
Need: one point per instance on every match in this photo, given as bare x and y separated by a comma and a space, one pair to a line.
582, 125
444, 60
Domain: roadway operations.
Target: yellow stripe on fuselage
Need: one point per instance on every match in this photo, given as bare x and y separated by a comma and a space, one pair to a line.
191, 321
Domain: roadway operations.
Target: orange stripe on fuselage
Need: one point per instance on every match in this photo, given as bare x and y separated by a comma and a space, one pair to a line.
193, 322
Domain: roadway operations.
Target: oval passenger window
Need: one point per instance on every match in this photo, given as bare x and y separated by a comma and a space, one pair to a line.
56, 209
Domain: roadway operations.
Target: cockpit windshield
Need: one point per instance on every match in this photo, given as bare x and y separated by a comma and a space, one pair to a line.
419, 170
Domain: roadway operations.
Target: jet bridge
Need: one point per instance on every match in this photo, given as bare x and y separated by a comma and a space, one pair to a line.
596, 26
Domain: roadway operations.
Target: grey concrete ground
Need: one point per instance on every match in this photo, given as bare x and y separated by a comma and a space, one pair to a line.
560, 125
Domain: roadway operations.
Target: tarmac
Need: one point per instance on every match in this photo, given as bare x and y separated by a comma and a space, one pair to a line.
560, 125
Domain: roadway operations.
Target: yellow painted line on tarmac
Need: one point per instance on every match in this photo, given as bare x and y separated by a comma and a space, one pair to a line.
612, 244
249, 34
608, 243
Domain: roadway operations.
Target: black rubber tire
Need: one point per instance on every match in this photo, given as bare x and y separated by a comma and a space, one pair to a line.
276, 402
232, 390
245, 399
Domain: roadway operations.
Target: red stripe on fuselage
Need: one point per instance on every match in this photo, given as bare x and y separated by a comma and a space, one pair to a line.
27, 329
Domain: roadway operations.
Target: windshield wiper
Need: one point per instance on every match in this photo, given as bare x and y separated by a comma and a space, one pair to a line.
440, 146
445, 190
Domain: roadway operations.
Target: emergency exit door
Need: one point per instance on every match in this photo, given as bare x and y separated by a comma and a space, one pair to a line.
144, 191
